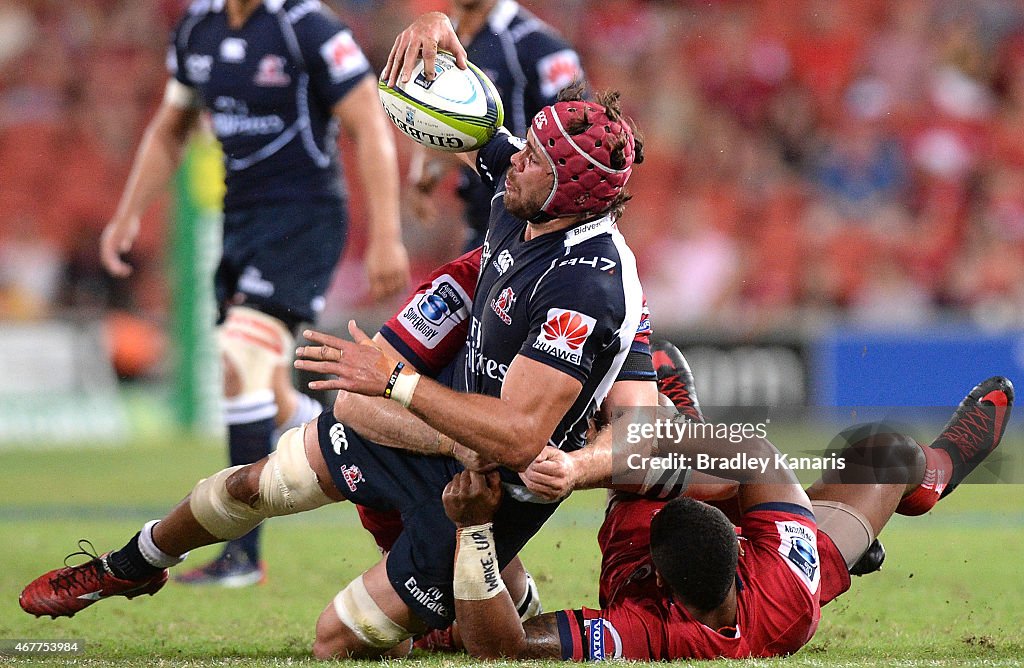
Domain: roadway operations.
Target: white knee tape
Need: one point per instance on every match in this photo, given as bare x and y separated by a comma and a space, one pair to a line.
218, 512
360, 613
254, 343
288, 483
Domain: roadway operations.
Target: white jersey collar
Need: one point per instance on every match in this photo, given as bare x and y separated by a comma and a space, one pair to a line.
502, 14
589, 230
271, 5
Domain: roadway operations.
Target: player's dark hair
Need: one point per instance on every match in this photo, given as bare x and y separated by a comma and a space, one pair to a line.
611, 101
694, 550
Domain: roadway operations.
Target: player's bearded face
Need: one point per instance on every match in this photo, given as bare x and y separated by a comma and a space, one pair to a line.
527, 182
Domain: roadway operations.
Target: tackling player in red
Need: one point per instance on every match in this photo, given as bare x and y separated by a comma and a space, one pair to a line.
679, 580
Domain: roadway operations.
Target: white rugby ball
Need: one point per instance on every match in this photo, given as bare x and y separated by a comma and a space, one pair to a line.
459, 110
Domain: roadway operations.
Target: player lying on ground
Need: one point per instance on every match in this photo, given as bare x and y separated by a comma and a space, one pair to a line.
679, 581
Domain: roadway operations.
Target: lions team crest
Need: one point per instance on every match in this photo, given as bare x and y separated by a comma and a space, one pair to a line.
270, 72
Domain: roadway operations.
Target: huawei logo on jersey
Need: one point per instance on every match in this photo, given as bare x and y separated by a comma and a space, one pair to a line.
568, 326
564, 334
558, 70
343, 57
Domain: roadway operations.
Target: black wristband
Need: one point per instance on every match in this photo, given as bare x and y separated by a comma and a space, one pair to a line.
394, 379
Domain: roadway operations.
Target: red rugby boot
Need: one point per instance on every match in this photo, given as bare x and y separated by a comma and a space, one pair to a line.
976, 428
675, 380
65, 591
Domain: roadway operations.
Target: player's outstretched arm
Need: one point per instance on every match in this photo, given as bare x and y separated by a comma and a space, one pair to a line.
361, 117
510, 430
155, 161
488, 621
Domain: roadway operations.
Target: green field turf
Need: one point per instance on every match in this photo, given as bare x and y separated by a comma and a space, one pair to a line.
950, 593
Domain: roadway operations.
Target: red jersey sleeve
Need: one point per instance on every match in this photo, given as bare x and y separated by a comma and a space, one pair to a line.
619, 632
431, 328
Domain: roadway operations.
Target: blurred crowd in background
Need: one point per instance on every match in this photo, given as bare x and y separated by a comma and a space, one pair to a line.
807, 160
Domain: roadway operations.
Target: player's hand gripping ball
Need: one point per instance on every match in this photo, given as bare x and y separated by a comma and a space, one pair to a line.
459, 110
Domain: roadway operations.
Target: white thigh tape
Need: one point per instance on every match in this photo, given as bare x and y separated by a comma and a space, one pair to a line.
359, 612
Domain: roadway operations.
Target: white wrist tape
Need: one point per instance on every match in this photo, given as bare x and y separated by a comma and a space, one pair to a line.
405, 385
477, 574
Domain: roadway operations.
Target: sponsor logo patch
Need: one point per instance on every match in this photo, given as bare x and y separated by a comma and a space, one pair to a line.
645, 320
503, 262
440, 67
429, 598
252, 282
558, 70
430, 316
798, 546
339, 441
270, 72
232, 50
503, 305
343, 56
605, 642
197, 68
479, 363
564, 334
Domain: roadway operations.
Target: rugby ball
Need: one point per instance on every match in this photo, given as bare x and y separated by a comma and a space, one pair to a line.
459, 110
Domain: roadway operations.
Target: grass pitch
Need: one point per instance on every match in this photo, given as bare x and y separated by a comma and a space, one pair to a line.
950, 592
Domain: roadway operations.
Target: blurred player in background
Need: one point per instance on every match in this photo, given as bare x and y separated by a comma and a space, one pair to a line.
529, 63
277, 77
679, 581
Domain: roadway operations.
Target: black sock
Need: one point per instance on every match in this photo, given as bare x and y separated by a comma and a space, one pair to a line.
129, 564
249, 443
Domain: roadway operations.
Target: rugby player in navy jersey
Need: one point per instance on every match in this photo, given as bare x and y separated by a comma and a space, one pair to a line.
554, 316
528, 62
277, 78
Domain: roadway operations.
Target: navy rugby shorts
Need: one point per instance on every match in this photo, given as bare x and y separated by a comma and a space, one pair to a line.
421, 563
279, 258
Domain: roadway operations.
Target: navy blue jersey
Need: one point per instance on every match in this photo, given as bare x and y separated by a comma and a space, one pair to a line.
529, 64
569, 299
270, 87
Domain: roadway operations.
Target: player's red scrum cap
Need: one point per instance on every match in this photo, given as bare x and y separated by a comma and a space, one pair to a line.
586, 180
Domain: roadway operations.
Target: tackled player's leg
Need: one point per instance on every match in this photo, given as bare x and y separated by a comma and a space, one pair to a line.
224, 506
887, 472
